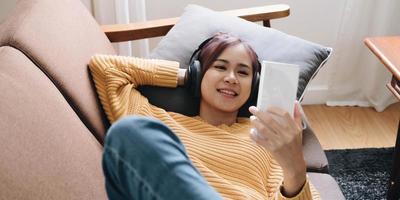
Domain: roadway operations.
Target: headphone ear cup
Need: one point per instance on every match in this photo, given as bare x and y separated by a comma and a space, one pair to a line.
254, 85
197, 78
194, 81
194, 71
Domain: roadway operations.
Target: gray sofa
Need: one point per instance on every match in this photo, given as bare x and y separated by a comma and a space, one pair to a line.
52, 125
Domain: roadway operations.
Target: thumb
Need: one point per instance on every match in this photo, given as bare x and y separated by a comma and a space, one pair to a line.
297, 114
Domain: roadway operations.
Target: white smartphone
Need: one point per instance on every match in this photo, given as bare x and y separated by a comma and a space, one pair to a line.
278, 86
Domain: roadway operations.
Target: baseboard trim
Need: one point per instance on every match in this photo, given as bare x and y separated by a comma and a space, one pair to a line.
315, 95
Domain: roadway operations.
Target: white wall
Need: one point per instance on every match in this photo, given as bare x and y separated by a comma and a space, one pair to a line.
88, 4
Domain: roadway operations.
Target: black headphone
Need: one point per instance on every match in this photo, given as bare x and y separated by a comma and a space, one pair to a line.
194, 74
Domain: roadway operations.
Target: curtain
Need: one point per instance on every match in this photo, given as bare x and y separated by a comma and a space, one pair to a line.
358, 78
122, 12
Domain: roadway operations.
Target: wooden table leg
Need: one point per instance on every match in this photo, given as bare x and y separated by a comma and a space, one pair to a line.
394, 182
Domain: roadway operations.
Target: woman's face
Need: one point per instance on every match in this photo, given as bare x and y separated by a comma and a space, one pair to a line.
226, 85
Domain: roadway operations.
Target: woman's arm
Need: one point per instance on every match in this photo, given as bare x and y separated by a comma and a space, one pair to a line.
117, 77
280, 134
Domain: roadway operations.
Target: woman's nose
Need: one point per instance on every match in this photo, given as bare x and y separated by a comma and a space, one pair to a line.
231, 78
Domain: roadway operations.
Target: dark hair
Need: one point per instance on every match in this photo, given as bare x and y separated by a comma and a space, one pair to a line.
217, 44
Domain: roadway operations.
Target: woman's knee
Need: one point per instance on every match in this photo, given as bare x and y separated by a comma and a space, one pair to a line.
139, 138
130, 127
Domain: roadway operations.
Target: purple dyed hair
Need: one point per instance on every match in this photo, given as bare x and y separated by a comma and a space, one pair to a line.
219, 42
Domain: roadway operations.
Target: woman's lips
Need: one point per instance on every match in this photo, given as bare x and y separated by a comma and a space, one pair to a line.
227, 92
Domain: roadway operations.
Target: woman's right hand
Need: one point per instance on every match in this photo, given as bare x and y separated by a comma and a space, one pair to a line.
181, 76
281, 135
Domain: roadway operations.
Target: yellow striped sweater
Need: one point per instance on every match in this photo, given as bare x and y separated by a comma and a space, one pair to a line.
225, 155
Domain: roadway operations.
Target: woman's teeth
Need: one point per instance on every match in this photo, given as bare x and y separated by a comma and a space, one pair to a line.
228, 92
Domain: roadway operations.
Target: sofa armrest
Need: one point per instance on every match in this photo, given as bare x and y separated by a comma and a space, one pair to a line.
313, 152
160, 27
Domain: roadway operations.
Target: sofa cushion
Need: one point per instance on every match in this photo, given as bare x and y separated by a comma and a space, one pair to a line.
314, 155
326, 186
46, 151
60, 37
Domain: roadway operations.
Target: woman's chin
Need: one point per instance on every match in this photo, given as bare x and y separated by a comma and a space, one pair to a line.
228, 109
223, 105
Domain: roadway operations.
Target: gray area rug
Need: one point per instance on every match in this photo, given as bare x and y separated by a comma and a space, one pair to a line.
361, 173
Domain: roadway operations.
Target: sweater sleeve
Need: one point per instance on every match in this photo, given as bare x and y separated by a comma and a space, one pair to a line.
116, 80
306, 193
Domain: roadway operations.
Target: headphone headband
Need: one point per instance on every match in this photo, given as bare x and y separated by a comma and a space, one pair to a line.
198, 50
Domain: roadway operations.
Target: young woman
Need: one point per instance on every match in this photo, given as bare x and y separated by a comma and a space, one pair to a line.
157, 154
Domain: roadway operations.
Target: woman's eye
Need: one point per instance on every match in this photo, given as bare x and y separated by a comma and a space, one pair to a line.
220, 67
243, 72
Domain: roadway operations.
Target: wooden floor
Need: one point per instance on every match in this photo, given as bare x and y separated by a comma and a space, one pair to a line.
353, 127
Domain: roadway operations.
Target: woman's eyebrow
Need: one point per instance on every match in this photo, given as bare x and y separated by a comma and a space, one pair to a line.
243, 65
222, 60
226, 61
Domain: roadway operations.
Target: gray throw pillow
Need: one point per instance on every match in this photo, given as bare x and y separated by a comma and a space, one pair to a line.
198, 23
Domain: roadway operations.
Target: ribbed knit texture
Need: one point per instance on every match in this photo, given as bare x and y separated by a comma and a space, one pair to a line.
225, 155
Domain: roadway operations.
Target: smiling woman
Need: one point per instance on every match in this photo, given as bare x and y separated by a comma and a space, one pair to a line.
228, 68
210, 156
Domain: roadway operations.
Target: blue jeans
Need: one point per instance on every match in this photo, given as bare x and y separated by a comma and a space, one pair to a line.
143, 159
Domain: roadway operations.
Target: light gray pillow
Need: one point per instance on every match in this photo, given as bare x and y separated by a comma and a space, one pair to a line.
198, 23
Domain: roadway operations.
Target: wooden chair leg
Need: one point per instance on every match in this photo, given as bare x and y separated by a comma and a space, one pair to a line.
267, 23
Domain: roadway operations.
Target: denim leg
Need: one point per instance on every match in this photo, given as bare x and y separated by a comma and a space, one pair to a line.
143, 159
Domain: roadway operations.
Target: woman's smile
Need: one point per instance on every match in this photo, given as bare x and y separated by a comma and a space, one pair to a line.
229, 93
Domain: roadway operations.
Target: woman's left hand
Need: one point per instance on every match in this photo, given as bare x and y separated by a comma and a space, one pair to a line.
281, 135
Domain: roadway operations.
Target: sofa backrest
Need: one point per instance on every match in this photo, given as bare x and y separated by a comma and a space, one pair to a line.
46, 151
60, 37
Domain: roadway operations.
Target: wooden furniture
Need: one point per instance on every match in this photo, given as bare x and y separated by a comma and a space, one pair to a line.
156, 28
387, 49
